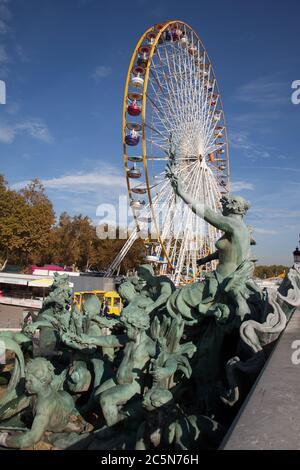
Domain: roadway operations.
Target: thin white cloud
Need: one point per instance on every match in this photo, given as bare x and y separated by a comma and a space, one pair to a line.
85, 192
5, 13
265, 231
265, 91
281, 168
5, 17
241, 140
282, 157
7, 135
86, 181
35, 128
21, 53
260, 119
237, 186
101, 71
8, 53
271, 213
107, 178
4, 28
4, 59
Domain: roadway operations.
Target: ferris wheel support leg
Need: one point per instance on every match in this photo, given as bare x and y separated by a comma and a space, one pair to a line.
116, 263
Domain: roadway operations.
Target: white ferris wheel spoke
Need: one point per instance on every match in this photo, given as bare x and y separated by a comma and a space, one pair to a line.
183, 123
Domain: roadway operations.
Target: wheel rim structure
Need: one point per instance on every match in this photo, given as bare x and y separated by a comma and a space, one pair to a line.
173, 113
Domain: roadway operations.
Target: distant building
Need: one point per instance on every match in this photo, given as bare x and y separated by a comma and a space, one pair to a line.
20, 293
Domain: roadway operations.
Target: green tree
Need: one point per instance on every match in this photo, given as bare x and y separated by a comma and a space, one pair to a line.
40, 220
28, 234
73, 241
265, 272
26, 221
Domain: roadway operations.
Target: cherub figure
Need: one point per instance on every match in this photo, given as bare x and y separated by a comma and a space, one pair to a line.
158, 403
136, 301
167, 426
53, 410
92, 323
158, 288
139, 348
54, 313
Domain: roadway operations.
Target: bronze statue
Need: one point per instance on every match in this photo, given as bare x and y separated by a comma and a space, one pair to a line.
164, 374
53, 410
230, 283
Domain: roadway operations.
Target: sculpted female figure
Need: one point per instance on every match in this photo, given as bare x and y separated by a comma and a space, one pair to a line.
233, 250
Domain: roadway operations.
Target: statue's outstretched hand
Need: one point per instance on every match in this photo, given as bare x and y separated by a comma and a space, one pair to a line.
159, 373
66, 338
70, 339
29, 329
77, 342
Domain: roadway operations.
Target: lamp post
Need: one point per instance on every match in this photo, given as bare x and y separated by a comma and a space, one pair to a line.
296, 255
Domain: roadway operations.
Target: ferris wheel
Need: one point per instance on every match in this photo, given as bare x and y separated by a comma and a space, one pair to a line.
173, 113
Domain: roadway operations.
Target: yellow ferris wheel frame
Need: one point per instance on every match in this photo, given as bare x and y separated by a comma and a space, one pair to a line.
152, 47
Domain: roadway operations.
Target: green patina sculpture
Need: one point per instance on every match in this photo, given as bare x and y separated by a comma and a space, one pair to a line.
154, 351
167, 426
57, 316
89, 324
136, 301
138, 350
158, 288
233, 246
166, 373
173, 355
15, 386
230, 284
289, 291
53, 410
54, 314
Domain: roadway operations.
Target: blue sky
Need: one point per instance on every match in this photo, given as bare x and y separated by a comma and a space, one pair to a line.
65, 62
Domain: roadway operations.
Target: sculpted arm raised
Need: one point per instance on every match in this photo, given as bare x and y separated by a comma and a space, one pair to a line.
202, 210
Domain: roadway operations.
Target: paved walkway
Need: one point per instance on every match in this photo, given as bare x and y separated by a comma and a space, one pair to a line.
11, 317
270, 419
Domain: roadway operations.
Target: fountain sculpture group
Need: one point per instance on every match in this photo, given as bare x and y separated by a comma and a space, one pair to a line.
170, 373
